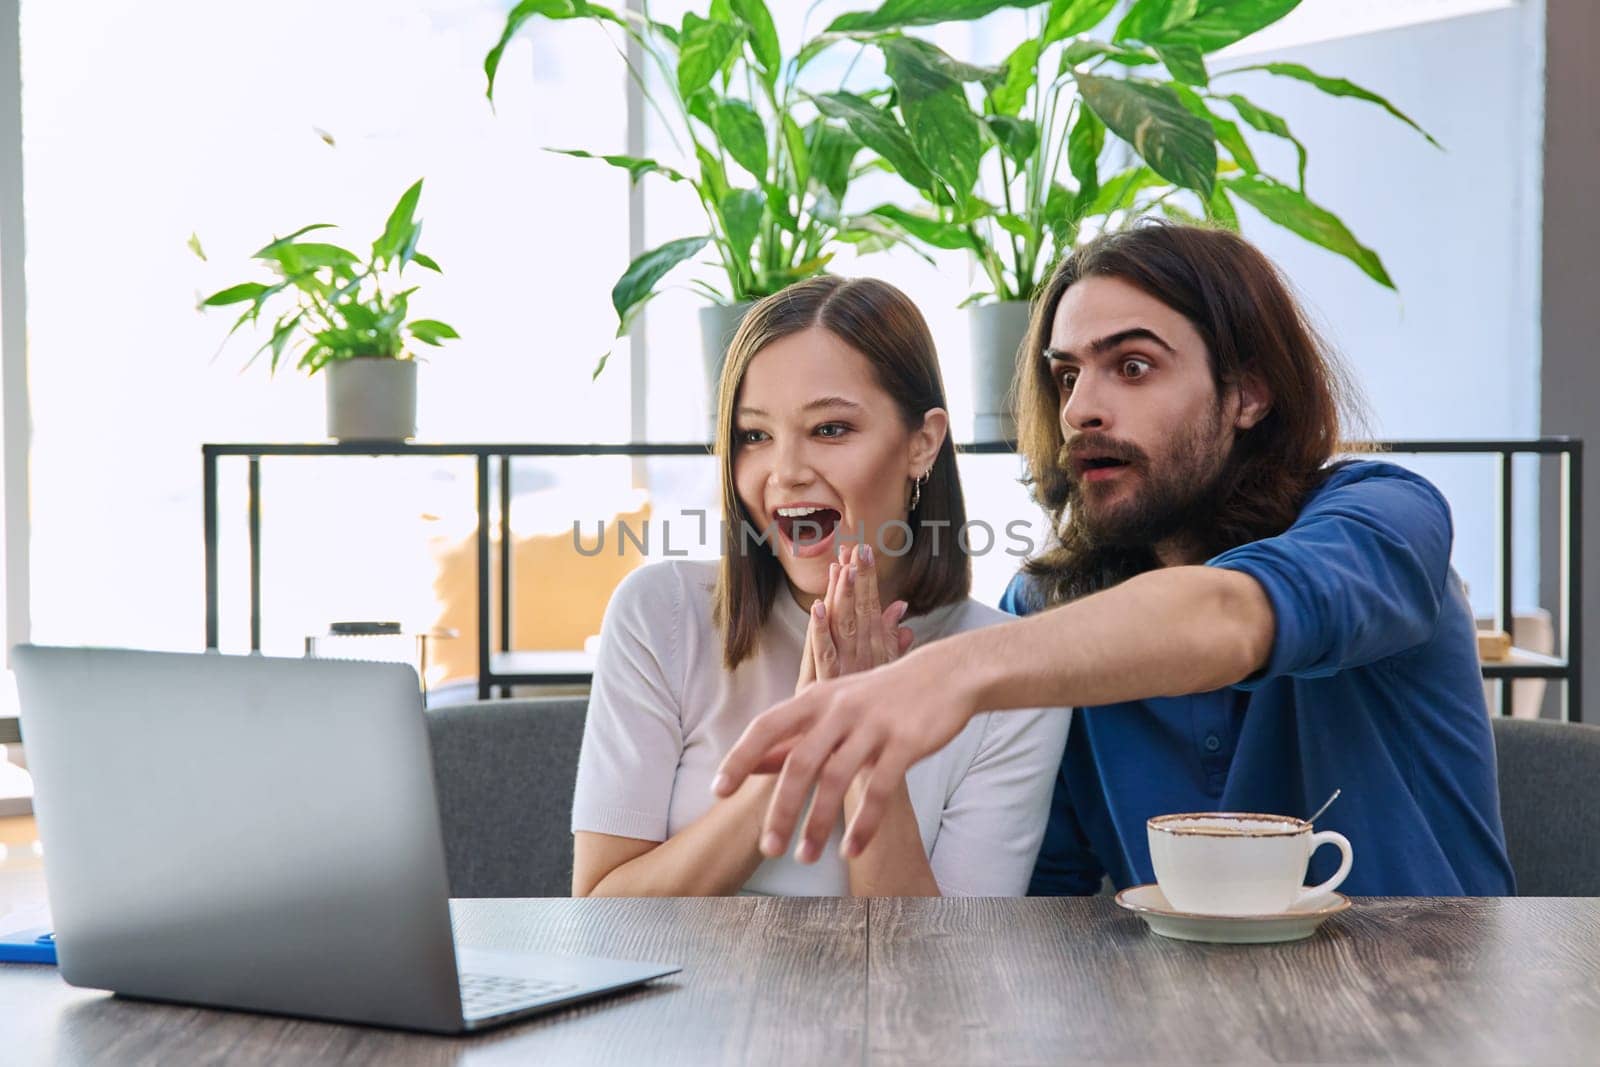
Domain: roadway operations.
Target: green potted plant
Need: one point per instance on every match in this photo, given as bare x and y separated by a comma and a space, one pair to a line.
1074, 134
335, 311
768, 167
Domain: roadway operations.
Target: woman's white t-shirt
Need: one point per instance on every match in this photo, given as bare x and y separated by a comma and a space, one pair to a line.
663, 711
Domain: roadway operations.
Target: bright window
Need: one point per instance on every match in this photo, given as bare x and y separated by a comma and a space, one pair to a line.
144, 123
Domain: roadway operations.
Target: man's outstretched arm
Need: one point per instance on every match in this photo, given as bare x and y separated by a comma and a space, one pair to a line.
1166, 633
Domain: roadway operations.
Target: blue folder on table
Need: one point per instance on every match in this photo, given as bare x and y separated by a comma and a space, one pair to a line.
37, 945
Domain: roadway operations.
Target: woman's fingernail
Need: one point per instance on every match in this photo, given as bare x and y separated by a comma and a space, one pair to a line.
849, 849
719, 785
866, 554
901, 607
819, 609
850, 576
807, 852
770, 845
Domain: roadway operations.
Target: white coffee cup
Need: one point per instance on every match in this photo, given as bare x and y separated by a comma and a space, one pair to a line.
1230, 863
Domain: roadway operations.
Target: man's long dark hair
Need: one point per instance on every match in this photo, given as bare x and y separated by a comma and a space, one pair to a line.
1252, 325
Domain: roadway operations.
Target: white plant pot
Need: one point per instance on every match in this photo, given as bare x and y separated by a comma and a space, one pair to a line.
997, 332
718, 324
372, 399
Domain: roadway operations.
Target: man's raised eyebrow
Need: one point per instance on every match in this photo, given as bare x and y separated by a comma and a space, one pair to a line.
1110, 342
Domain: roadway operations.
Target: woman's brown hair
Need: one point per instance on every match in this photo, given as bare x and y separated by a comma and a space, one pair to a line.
1252, 326
884, 326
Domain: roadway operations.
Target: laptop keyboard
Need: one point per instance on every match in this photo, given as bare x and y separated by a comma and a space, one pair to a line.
491, 994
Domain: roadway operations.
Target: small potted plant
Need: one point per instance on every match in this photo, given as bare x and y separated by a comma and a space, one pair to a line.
332, 309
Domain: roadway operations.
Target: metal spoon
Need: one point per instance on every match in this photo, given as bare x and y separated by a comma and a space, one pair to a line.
1325, 805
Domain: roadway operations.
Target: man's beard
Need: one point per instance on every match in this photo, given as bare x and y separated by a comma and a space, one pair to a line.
1176, 501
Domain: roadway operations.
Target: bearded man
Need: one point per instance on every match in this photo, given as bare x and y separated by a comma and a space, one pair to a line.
1242, 621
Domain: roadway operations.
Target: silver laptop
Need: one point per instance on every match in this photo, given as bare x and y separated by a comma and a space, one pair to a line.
256, 833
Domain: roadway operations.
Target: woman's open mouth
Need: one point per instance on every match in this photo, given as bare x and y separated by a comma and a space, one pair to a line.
808, 529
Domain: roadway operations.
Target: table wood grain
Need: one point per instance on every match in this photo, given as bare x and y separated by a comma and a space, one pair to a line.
1409, 980
765, 980
901, 981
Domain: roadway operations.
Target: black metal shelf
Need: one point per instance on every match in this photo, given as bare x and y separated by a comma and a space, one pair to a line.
1520, 665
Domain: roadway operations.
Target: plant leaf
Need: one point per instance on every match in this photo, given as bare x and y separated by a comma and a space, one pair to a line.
409, 249
431, 331
1147, 20
1022, 74
777, 279
713, 177
527, 9
879, 131
1019, 226
235, 294
763, 37
1338, 87
1177, 145
1184, 62
276, 241
703, 47
1290, 209
1067, 17
925, 69
831, 150
948, 137
1267, 122
1062, 210
1088, 48
794, 139
425, 261
946, 134
1018, 138
636, 166
397, 230
1227, 133
1084, 144
897, 14
1220, 209
741, 214
638, 281
930, 231
194, 246
1219, 23
742, 133
282, 331
1117, 193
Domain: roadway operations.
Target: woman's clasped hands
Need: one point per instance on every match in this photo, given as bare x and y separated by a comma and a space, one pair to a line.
848, 631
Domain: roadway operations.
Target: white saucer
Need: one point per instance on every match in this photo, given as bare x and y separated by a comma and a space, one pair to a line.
1148, 902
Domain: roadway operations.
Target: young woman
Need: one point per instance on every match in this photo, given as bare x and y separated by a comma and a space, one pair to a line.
840, 495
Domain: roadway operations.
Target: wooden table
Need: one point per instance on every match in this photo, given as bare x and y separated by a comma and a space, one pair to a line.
901, 981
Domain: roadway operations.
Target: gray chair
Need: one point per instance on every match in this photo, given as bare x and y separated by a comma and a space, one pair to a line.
1550, 804
505, 770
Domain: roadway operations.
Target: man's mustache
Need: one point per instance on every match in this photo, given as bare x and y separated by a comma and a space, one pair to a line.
1095, 444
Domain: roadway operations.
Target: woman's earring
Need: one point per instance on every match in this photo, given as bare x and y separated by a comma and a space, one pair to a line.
916, 489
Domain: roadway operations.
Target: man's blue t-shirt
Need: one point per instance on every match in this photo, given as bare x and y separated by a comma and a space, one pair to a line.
1373, 687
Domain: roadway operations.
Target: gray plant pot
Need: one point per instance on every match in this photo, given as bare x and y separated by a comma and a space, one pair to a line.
718, 324
371, 399
997, 332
